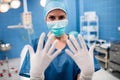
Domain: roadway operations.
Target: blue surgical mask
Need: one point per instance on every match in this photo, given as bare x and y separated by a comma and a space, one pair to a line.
57, 27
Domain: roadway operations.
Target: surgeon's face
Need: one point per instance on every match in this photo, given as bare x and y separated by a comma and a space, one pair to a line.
56, 15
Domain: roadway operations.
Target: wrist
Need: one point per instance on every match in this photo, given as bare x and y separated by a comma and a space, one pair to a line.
86, 76
88, 70
36, 76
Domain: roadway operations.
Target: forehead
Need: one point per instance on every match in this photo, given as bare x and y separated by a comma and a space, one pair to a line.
56, 12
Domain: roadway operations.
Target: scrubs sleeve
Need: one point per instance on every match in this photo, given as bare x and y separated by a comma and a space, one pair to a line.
96, 64
25, 67
76, 71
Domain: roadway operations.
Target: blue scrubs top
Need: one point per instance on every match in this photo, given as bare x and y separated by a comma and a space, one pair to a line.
61, 68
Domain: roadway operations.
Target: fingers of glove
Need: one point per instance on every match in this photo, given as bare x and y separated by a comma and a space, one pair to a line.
74, 41
69, 53
31, 51
52, 47
40, 43
70, 45
91, 51
82, 42
56, 53
47, 45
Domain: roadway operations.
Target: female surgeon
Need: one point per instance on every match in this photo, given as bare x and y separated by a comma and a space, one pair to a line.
58, 56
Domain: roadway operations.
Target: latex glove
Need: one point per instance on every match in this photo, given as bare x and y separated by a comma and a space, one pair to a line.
83, 58
40, 60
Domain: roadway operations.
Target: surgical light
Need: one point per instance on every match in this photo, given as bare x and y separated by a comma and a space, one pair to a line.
7, 1
42, 3
5, 5
15, 4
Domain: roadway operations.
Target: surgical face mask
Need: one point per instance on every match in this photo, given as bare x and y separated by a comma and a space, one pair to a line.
57, 27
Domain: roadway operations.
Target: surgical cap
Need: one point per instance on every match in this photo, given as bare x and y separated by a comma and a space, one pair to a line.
54, 4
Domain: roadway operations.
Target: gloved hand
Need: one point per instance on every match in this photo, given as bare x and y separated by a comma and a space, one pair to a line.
83, 58
40, 60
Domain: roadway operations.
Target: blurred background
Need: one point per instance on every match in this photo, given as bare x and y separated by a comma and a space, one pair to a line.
97, 20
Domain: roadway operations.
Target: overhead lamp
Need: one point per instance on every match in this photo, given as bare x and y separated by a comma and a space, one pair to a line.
7, 1
15, 4
43, 3
119, 28
5, 5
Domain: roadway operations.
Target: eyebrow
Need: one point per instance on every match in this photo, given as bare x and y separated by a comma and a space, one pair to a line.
51, 15
59, 15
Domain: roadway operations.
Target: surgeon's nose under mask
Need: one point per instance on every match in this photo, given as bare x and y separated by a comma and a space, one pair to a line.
57, 27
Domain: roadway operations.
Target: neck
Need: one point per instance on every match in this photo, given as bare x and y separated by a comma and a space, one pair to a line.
61, 41
63, 37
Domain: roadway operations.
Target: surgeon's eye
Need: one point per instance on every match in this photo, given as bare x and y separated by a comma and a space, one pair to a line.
61, 17
52, 18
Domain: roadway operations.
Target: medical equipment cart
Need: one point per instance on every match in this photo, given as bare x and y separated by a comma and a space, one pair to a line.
89, 27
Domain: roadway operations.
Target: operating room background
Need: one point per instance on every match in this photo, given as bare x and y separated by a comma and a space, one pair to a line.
107, 10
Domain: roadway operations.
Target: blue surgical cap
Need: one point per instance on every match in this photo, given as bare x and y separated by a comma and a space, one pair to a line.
54, 4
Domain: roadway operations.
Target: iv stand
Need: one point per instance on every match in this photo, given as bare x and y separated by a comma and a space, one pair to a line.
26, 21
